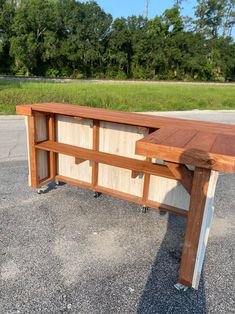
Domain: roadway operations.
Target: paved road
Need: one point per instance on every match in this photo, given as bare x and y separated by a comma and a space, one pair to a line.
223, 116
68, 80
66, 252
12, 138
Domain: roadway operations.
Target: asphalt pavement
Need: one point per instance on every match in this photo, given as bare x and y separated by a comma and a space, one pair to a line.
66, 252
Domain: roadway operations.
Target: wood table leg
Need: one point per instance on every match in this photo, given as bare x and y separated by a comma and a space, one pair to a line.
33, 171
52, 155
146, 185
198, 226
95, 146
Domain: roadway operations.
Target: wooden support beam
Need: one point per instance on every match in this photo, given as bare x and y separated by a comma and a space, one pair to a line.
79, 118
52, 155
106, 158
146, 184
79, 161
95, 146
146, 179
194, 225
75, 182
135, 174
32, 152
182, 174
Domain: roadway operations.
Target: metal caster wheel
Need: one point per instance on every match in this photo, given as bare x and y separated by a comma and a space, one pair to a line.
57, 183
97, 194
45, 189
144, 209
40, 191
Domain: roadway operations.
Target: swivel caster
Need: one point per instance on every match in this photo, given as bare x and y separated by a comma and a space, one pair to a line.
144, 209
41, 191
97, 194
45, 189
57, 183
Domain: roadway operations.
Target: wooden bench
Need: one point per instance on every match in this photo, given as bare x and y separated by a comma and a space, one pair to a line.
158, 162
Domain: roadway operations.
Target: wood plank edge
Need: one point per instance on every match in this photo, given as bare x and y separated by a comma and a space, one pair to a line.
24, 110
217, 162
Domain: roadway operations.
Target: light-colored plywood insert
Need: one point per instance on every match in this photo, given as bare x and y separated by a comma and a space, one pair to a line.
78, 133
168, 191
74, 132
68, 168
42, 156
41, 127
119, 139
42, 164
120, 180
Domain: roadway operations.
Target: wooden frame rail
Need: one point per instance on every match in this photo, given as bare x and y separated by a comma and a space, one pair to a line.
140, 166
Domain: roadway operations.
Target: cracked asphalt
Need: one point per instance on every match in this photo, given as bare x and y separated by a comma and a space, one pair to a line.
12, 138
66, 252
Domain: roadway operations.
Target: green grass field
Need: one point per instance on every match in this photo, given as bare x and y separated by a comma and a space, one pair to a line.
121, 96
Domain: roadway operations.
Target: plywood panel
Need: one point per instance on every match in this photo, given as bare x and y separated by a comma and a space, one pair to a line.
119, 139
77, 133
42, 135
74, 132
68, 168
42, 164
167, 191
41, 127
120, 180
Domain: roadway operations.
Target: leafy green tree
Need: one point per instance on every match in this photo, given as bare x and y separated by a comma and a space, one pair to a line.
73, 38
172, 21
7, 12
141, 47
34, 28
85, 29
214, 16
229, 18
118, 52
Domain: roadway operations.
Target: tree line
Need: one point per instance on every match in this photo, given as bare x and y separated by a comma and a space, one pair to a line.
67, 38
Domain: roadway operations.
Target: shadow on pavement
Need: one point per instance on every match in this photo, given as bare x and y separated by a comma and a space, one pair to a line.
161, 297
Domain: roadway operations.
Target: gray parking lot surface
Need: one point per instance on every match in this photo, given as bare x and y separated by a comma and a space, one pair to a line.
66, 252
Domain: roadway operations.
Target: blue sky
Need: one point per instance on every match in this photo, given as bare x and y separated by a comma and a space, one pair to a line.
126, 8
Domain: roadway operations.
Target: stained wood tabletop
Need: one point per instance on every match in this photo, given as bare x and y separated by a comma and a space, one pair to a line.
203, 149
203, 144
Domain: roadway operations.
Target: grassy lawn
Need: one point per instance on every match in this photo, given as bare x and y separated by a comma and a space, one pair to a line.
120, 96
